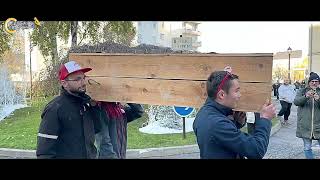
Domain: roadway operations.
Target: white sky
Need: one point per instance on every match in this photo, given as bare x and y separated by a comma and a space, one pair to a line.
254, 36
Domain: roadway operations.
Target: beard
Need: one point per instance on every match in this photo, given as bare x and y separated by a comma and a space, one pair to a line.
79, 91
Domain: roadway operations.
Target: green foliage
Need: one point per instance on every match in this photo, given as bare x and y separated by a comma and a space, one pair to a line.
45, 37
63, 32
121, 32
279, 73
89, 30
5, 39
303, 64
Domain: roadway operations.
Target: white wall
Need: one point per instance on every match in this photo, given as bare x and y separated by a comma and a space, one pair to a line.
147, 32
314, 48
37, 60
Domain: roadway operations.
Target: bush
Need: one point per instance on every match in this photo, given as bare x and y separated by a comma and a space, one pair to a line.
49, 84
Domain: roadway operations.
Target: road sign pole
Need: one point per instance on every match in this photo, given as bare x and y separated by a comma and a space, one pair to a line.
184, 127
183, 112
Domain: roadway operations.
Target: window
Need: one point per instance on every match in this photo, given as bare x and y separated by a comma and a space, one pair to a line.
161, 36
154, 38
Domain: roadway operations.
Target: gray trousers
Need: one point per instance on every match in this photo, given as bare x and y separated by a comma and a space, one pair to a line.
104, 141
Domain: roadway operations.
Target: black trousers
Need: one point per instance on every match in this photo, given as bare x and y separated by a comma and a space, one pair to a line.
276, 93
285, 110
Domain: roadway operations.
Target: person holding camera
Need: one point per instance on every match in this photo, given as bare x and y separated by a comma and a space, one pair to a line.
308, 123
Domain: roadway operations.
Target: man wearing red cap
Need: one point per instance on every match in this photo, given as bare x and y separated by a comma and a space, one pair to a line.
70, 121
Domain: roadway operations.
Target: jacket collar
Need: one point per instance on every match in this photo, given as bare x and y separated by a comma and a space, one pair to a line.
221, 108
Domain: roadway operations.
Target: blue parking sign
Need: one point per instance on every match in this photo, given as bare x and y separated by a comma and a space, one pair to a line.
183, 111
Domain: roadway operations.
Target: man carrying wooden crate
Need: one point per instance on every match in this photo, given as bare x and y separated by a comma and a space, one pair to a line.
70, 121
221, 138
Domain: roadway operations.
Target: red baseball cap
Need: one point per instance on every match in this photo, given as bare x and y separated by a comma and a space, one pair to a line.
70, 67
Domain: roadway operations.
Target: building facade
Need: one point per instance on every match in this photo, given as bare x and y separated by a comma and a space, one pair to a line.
314, 48
165, 34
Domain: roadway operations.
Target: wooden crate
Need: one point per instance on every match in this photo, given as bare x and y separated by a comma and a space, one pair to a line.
174, 79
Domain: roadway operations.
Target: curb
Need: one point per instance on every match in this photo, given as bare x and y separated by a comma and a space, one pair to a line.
17, 153
275, 128
131, 153
162, 152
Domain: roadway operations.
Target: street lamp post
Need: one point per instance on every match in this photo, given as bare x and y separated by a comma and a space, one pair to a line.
289, 53
30, 69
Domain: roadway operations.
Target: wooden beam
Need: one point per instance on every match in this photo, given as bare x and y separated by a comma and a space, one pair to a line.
170, 92
249, 67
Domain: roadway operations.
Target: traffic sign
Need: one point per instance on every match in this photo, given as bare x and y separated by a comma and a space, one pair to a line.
183, 111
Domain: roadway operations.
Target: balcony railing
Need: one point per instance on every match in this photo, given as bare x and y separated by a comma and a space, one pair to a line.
191, 31
196, 44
